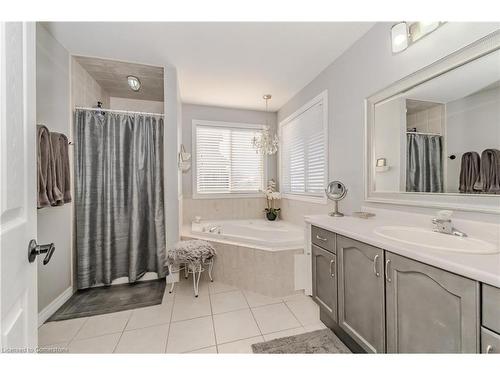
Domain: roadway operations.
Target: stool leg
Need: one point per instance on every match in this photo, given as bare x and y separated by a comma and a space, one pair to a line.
210, 267
173, 282
196, 279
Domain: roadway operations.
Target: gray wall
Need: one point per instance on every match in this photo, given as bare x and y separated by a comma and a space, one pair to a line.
472, 124
192, 112
53, 110
367, 67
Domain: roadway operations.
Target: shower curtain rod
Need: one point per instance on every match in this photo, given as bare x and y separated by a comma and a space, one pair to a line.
421, 133
119, 111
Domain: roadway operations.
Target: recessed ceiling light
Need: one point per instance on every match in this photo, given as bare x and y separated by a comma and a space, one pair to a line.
134, 83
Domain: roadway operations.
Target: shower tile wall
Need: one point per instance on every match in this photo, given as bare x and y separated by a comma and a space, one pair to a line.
427, 121
85, 91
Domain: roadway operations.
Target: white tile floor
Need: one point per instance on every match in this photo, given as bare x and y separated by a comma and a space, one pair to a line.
222, 319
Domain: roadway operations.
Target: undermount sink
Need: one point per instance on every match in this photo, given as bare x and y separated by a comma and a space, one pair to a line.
435, 240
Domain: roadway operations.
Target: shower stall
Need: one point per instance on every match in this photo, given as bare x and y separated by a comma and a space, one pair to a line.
119, 195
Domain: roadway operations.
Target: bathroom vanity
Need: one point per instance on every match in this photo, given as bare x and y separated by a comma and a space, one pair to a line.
413, 283
387, 296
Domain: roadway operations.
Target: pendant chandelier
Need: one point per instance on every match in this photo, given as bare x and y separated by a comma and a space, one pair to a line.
266, 143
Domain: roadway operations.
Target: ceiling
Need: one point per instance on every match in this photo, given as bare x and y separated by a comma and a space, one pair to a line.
225, 64
414, 106
460, 82
112, 75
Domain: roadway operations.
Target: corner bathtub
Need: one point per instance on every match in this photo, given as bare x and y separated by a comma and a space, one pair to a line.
258, 233
255, 255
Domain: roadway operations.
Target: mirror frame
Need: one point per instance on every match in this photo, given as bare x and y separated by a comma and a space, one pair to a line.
486, 203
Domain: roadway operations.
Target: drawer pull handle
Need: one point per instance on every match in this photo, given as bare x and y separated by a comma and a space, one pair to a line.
387, 277
324, 239
332, 274
375, 260
489, 349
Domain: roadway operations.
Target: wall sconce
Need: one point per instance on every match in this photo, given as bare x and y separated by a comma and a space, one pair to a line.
184, 160
404, 34
399, 37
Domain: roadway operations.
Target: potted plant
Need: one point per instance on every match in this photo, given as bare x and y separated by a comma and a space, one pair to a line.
271, 197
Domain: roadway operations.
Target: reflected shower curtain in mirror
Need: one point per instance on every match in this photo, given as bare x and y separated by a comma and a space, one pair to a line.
424, 163
119, 212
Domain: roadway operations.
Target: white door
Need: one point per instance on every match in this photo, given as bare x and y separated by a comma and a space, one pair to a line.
18, 294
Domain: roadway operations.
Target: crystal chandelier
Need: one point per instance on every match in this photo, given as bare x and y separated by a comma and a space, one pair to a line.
266, 143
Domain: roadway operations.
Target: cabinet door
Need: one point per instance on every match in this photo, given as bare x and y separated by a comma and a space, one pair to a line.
429, 310
361, 293
324, 269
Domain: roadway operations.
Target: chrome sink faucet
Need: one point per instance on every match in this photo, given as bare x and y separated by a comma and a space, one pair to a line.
442, 224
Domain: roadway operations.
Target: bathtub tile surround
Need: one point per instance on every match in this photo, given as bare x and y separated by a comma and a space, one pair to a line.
255, 255
265, 272
223, 209
293, 211
225, 320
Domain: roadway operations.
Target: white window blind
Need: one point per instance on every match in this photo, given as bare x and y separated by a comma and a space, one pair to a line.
303, 161
226, 162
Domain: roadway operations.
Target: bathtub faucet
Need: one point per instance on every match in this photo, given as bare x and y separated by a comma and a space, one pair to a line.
214, 228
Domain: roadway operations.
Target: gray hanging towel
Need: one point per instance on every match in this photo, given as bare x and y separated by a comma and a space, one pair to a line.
44, 173
61, 168
470, 173
490, 171
53, 193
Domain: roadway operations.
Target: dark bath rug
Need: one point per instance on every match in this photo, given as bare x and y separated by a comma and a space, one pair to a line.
109, 299
321, 341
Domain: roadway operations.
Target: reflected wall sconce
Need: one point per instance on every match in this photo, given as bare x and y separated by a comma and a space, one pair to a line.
404, 34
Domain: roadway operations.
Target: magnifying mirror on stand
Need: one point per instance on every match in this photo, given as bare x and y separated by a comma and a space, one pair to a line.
336, 191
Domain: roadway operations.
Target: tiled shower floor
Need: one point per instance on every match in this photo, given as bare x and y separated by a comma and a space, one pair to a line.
223, 319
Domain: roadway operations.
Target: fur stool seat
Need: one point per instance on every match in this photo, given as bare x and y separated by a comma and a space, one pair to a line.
192, 256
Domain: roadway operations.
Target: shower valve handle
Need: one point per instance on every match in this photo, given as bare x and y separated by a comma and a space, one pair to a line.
34, 250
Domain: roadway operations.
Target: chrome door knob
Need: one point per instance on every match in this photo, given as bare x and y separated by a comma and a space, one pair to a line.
34, 250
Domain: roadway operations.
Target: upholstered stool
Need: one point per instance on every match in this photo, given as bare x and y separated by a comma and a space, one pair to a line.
192, 256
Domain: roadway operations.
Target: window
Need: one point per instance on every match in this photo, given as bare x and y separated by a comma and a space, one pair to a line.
304, 152
225, 161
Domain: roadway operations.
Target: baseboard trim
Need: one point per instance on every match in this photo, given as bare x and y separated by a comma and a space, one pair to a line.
47, 312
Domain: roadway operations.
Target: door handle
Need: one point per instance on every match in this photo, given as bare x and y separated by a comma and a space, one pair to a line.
34, 250
332, 274
387, 277
375, 260
324, 239
489, 348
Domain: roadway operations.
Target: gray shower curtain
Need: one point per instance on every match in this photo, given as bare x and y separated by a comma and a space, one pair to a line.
120, 225
424, 163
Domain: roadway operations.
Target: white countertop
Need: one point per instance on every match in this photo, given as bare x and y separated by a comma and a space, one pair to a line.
480, 267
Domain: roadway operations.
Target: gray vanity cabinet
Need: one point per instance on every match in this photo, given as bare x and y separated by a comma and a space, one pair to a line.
361, 293
324, 286
429, 310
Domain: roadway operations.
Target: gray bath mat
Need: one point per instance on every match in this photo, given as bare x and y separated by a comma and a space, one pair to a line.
321, 341
109, 299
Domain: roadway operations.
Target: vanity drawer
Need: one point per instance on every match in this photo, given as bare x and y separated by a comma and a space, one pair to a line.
491, 307
490, 342
323, 238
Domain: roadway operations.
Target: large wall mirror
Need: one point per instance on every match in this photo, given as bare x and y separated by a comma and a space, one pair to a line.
434, 137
